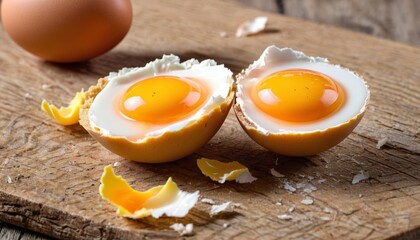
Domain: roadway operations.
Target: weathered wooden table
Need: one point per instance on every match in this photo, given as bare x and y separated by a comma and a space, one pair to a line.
50, 174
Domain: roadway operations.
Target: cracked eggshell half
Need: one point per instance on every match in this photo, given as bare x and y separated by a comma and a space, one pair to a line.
297, 105
161, 112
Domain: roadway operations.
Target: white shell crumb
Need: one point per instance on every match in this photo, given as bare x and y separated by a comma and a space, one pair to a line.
45, 86
116, 164
215, 209
360, 195
275, 173
252, 26
291, 209
208, 201
325, 218
245, 177
225, 225
307, 201
306, 187
279, 203
6, 161
327, 210
8, 179
28, 96
186, 230
223, 34
289, 187
360, 177
285, 217
381, 142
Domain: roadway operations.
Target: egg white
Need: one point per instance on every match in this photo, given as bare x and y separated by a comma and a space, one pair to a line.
275, 59
105, 117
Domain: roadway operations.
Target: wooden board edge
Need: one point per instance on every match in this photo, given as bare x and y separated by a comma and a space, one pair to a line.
62, 225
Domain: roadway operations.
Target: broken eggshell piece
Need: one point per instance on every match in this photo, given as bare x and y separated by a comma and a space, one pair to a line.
165, 199
65, 115
222, 172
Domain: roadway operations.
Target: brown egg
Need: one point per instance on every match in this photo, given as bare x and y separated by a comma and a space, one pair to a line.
66, 31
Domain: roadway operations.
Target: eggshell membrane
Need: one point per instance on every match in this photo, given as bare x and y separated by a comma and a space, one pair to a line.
167, 147
299, 144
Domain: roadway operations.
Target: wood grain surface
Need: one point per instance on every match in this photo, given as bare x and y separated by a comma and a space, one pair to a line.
50, 174
393, 19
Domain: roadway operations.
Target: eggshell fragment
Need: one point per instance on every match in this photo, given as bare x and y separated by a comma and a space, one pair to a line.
183, 230
65, 115
252, 26
157, 201
222, 172
216, 209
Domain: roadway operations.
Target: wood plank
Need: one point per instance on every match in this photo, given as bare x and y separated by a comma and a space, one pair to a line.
55, 170
394, 19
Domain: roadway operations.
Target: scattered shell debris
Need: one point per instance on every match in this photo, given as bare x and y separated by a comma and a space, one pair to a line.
28, 96
291, 209
325, 218
327, 210
186, 230
216, 209
223, 34
252, 26
9, 179
289, 187
275, 173
116, 164
307, 201
6, 161
306, 187
225, 225
45, 86
360, 177
208, 201
285, 217
360, 195
381, 142
279, 203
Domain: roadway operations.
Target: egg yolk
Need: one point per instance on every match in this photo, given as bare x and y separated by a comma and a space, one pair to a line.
162, 99
298, 95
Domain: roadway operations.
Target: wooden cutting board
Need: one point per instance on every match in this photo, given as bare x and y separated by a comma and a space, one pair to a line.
49, 175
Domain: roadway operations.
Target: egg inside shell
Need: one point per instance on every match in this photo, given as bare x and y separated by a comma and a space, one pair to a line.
160, 112
298, 105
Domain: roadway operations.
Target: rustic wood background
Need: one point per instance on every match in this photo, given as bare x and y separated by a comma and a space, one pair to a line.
398, 20
393, 112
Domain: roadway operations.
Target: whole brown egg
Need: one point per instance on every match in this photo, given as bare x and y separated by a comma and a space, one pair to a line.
66, 30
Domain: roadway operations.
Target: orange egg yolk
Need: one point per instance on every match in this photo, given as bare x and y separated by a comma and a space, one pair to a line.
162, 99
298, 95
